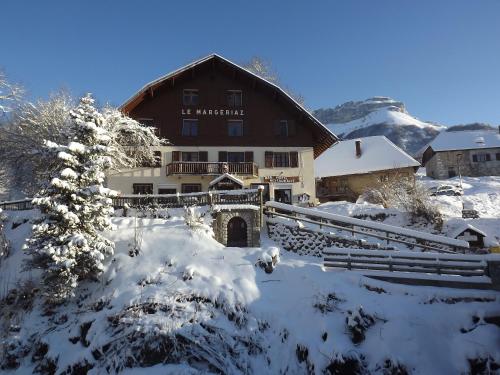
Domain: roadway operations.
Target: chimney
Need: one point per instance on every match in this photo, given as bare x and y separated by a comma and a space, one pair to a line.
358, 148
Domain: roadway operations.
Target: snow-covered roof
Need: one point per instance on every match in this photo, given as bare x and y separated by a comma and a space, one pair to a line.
460, 228
223, 176
377, 154
465, 140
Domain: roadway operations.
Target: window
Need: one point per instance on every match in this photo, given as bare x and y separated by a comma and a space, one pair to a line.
283, 195
167, 191
190, 127
190, 156
190, 97
498, 156
234, 98
451, 172
235, 157
481, 157
191, 188
235, 128
142, 189
282, 130
281, 159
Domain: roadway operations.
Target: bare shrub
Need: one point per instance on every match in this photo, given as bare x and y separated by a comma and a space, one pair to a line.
399, 191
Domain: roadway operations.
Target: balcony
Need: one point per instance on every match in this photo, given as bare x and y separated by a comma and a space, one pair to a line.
211, 168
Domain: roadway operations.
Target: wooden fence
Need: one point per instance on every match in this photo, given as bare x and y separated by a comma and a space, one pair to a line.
406, 261
388, 233
215, 197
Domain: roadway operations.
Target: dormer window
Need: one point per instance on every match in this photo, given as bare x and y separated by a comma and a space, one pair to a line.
234, 98
190, 97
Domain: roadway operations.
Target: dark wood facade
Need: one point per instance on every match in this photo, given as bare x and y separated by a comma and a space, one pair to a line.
263, 106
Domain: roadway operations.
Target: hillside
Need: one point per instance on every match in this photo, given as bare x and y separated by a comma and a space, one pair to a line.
188, 305
379, 116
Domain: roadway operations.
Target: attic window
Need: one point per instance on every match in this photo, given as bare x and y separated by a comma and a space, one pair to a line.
190, 97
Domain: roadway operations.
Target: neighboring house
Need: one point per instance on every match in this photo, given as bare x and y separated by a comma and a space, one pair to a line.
468, 153
345, 170
228, 129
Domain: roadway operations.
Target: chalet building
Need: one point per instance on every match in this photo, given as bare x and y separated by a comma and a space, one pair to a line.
468, 153
228, 129
348, 168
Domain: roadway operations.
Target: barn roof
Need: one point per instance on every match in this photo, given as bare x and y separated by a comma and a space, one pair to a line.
465, 140
325, 137
377, 154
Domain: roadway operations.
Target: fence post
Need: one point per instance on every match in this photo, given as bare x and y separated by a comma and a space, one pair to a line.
261, 204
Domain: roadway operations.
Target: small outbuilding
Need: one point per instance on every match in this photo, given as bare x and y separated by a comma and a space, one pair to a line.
467, 232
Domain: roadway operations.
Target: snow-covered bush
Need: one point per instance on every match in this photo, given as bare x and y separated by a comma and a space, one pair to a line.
269, 259
193, 218
357, 322
67, 244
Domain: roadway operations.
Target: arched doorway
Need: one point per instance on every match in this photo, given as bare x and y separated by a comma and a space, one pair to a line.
237, 232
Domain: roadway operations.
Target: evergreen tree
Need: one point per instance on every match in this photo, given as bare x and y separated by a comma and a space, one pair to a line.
67, 244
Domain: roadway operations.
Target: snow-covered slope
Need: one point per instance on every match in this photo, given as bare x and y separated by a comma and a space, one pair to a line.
188, 305
379, 116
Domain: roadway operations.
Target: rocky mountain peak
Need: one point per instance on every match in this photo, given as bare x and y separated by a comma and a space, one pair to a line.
354, 110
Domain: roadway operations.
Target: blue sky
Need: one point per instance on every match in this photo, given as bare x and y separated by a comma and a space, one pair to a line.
442, 58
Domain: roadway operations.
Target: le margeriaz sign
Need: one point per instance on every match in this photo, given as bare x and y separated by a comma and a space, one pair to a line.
212, 112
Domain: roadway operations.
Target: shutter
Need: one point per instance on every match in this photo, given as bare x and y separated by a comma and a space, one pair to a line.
249, 156
294, 159
176, 156
203, 156
277, 128
222, 156
269, 159
474, 158
292, 128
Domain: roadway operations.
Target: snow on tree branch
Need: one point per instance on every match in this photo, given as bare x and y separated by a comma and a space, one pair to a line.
10, 94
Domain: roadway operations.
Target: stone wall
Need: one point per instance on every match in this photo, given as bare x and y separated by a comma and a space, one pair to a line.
438, 166
251, 217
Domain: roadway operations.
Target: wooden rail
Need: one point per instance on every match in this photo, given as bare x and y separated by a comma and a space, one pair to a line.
215, 197
211, 168
406, 261
409, 237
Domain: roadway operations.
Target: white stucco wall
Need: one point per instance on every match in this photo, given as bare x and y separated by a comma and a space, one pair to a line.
122, 181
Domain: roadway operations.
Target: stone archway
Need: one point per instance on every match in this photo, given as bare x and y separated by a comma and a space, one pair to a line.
237, 232
250, 218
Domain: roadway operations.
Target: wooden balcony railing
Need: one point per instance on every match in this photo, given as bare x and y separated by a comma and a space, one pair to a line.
211, 168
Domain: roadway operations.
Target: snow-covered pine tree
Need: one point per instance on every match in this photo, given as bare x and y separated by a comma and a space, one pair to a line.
67, 244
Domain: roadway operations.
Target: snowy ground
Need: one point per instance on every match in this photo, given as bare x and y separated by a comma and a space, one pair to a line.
203, 307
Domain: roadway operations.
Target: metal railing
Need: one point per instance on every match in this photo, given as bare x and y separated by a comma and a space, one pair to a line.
211, 168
